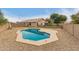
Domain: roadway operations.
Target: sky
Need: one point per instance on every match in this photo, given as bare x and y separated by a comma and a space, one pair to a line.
20, 14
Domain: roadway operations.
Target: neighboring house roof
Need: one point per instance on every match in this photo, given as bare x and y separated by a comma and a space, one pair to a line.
36, 20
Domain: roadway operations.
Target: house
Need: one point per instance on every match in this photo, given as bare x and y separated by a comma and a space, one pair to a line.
34, 22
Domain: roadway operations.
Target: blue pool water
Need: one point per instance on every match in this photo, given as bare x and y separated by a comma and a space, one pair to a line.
34, 34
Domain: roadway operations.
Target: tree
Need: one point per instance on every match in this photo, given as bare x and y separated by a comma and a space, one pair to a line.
57, 18
49, 22
75, 18
54, 18
63, 18
2, 18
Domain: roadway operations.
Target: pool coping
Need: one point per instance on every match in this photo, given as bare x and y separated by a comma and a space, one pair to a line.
53, 37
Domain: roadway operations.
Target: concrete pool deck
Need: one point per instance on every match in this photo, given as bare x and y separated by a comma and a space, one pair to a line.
66, 42
53, 37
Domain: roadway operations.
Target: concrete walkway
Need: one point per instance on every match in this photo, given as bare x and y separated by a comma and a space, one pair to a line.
66, 42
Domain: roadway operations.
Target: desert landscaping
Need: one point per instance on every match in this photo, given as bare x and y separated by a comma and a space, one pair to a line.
66, 38
66, 42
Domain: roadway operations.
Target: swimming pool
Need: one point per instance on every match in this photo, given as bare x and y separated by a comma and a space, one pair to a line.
34, 34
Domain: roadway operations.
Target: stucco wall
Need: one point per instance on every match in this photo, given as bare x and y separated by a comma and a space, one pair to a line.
72, 29
76, 30
33, 24
3, 27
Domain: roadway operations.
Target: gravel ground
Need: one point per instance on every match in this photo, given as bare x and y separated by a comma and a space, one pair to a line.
66, 42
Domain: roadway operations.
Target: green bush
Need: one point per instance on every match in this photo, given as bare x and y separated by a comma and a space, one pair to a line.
2, 19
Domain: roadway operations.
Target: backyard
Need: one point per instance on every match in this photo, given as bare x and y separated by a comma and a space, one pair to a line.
66, 42
60, 32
